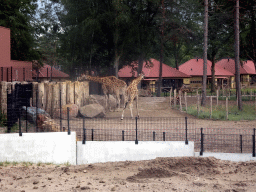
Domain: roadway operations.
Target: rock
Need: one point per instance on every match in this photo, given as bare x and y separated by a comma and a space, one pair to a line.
92, 110
73, 111
31, 113
35, 182
85, 188
101, 99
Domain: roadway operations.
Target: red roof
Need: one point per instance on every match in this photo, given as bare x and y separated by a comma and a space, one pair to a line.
194, 67
152, 71
55, 72
229, 64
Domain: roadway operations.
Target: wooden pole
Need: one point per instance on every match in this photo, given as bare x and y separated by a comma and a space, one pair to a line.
174, 99
186, 104
197, 105
217, 97
226, 108
255, 101
171, 97
211, 107
180, 100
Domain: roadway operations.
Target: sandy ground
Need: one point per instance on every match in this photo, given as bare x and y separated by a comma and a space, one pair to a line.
161, 174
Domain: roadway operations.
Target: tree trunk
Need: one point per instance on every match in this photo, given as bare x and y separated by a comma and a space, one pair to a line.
237, 62
176, 55
159, 89
213, 76
203, 101
160, 70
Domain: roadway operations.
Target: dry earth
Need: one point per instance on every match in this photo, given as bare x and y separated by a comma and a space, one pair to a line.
161, 174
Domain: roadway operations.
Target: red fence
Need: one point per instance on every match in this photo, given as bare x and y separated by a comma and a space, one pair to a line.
10, 74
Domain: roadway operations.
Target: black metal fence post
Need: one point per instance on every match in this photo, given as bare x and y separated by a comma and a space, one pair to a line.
163, 136
24, 75
84, 131
154, 135
253, 143
20, 133
2, 73
36, 107
9, 111
241, 143
11, 74
92, 134
186, 130
122, 135
68, 120
60, 109
136, 131
202, 142
7, 74
26, 119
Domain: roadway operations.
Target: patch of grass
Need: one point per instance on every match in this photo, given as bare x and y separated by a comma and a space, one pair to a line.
27, 164
1, 164
15, 163
219, 113
39, 164
3, 119
14, 128
67, 164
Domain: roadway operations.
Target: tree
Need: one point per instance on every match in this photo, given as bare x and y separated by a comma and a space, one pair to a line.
248, 30
17, 15
205, 53
237, 60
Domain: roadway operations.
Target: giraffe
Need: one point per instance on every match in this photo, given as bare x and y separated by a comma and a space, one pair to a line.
131, 94
110, 85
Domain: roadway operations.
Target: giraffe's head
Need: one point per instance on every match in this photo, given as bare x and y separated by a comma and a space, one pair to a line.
141, 75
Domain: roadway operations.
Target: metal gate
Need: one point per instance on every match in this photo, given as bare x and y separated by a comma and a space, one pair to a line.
16, 98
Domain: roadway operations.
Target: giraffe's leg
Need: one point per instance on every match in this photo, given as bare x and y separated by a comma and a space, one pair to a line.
131, 105
123, 111
137, 105
118, 101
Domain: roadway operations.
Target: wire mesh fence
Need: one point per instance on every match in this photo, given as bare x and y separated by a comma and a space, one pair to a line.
225, 140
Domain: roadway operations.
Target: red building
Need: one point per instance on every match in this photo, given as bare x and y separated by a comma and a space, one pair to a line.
46, 73
171, 77
12, 70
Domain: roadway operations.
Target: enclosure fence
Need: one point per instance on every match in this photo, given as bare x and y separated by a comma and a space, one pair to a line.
22, 117
225, 140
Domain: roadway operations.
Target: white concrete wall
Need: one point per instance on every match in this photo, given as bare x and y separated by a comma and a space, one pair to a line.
54, 147
229, 156
107, 151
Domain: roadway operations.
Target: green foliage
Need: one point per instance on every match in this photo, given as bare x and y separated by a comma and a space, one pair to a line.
3, 119
14, 128
17, 15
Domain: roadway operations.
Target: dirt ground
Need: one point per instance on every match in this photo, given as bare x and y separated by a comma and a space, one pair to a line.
161, 174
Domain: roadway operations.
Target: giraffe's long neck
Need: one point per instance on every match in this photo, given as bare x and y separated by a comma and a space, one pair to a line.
95, 79
138, 79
